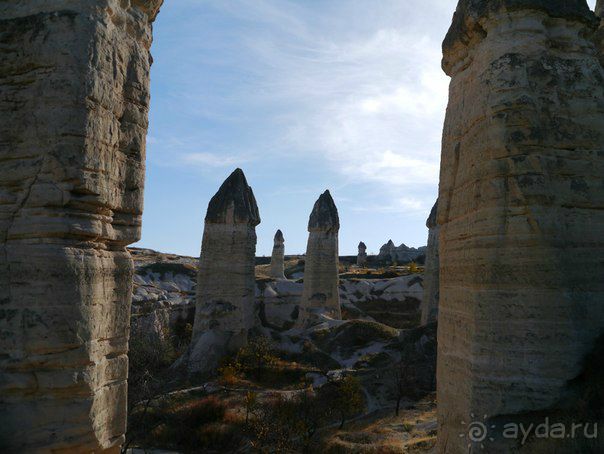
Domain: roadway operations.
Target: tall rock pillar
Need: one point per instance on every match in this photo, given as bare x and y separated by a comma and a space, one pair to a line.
320, 293
430, 300
225, 281
278, 257
599, 37
521, 214
74, 99
362, 254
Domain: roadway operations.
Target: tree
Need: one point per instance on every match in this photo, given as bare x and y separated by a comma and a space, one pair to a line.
345, 397
402, 381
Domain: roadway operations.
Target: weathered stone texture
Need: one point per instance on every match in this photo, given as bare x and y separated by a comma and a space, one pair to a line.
225, 282
320, 294
74, 98
277, 270
362, 254
431, 283
520, 210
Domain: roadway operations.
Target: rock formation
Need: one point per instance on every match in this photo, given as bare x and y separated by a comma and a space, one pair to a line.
74, 99
320, 294
278, 257
362, 255
430, 301
389, 252
225, 280
599, 37
521, 215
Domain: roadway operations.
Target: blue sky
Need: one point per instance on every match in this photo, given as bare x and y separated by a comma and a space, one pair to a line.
346, 95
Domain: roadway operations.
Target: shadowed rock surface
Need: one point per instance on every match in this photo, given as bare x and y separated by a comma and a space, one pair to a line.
430, 301
278, 256
520, 213
320, 294
225, 281
74, 99
234, 203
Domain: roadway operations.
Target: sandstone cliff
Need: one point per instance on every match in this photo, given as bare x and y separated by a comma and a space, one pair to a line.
520, 213
74, 98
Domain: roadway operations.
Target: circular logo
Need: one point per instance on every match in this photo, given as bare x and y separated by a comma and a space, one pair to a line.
477, 431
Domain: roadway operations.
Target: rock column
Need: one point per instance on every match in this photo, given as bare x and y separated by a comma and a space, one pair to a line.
430, 299
599, 37
521, 216
74, 99
362, 255
320, 294
278, 257
225, 281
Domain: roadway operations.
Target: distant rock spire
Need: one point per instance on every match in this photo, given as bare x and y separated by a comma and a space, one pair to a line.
234, 203
362, 255
278, 257
324, 215
320, 295
225, 279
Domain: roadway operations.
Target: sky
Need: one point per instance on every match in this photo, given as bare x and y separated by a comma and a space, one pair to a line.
307, 95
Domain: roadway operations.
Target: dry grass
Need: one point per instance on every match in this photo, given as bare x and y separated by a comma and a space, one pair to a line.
414, 431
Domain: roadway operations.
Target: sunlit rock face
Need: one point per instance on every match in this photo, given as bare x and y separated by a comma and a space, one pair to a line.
430, 300
74, 99
278, 257
224, 310
520, 213
320, 294
362, 255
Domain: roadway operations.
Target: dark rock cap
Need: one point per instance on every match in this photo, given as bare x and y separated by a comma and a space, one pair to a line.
362, 245
279, 236
324, 214
431, 221
468, 13
234, 192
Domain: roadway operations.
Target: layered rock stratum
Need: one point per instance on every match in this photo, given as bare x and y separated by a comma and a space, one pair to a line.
521, 217
224, 310
278, 256
74, 99
431, 270
320, 295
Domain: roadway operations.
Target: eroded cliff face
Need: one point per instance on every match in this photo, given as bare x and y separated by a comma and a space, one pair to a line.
74, 98
520, 212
